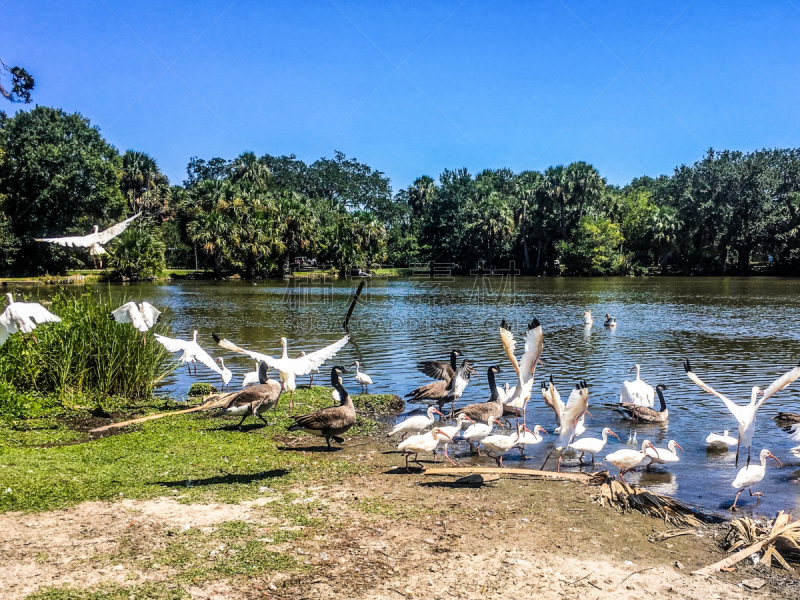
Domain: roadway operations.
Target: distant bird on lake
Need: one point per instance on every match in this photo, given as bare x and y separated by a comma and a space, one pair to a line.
24, 317
587, 318
333, 421
646, 414
362, 378
746, 415
721, 442
289, 368
255, 399
751, 475
610, 321
143, 316
94, 240
192, 353
637, 392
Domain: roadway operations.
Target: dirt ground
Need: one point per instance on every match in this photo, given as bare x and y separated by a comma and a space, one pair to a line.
388, 535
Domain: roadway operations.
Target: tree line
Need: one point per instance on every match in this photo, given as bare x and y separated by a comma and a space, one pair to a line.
255, 215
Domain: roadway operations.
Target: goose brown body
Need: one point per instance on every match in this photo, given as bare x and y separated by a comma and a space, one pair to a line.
255, 399
333, 421
645, 413
482, 411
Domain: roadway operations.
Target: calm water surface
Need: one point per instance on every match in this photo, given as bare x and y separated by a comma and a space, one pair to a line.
737, 333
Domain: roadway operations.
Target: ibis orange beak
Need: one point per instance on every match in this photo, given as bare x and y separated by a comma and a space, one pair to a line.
444, 433
614, 434
677, 445
656, 450
771, 455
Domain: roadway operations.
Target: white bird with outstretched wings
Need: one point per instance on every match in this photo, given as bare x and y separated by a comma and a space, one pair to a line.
24, 317
94, 240
526, 367
143, 316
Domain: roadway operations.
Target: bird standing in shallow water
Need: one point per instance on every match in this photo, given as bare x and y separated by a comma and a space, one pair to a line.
752, 474
362, 378
592, 445
627, 458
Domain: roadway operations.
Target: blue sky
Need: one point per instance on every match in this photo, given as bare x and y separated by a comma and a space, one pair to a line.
412, 88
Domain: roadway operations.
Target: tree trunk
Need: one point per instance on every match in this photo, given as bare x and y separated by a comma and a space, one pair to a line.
702, 251
725, 260
744, 260
218, 265
526, 252
538, 256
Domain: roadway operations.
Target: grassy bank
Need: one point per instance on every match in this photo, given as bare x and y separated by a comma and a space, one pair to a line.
52, 462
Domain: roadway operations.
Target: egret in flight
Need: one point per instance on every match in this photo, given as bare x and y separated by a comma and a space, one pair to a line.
94, 241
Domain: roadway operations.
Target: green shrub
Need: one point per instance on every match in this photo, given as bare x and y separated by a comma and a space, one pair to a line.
201, 389
87, 354
136, 254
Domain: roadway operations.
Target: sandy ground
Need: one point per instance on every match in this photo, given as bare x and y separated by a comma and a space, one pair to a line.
514, 538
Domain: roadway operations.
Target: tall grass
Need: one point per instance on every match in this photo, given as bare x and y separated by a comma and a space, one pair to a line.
87, 354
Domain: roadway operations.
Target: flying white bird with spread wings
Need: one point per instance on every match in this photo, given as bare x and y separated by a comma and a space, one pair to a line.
24, 317
575, 409
289, 368
526, 367
745, 415
94, 241
193, 353
143, 316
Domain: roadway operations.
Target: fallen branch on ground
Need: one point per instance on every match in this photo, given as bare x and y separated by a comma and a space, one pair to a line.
502, 471
214, 401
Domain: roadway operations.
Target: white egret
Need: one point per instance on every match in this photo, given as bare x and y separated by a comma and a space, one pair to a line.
289, 368
142, 317
362, 378
192, 353
746, 415
526, 367
94, 241
575, 409
637, 392
24, 317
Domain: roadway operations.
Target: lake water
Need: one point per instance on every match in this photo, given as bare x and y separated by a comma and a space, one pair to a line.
737, 333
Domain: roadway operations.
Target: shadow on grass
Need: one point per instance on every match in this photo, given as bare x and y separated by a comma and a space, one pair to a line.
227, 478
323, 449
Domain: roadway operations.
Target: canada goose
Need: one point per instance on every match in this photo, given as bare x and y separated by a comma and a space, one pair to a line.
644, 413
332, 421
482, 411
440, 369
255, 399
610, 321
443, 392
746, 415
289, 368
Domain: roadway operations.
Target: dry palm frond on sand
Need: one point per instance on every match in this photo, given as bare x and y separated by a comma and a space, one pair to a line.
626, 498
781, 539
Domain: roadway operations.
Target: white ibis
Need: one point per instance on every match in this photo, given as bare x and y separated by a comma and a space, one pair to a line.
574, 411
416, 424
94, 241
721, 442
450, 432
592, 446
525, 368
417, 444
664, 456
500, 444
474, 434
362, 378
289, 368
627, 458
142, 317
530, 438
746, 415
752, 474
24, 317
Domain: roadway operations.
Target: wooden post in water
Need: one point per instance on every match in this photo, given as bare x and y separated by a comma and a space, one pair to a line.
353, 305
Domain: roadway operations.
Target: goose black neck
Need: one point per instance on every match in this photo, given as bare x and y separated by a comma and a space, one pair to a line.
453, 360
661, 399
263, 373
492, 385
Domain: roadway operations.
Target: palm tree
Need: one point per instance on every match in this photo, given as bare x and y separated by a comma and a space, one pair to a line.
527, 186
144, 185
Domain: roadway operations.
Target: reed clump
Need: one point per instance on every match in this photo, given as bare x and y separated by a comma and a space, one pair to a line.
86, 357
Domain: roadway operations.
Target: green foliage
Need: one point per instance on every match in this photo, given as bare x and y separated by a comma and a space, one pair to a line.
137, 254
112, 591
200, 389
59, 172
594, 249
87, 354
22, 84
